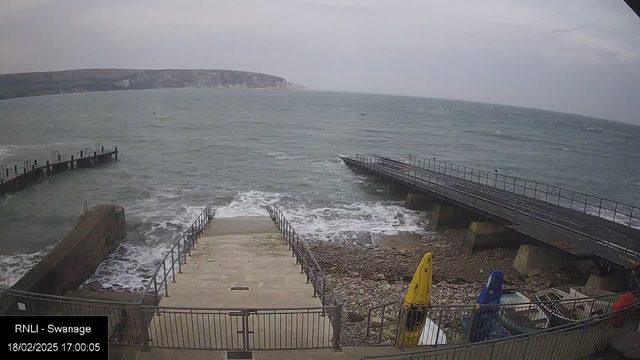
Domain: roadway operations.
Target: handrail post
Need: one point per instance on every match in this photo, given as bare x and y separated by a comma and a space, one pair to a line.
297, 249
315, 291
155, 287
291, 245
173, 268
324, 292
179, 259
144, 332
185, 249
337, 327
308, 267
166, 284
600, 209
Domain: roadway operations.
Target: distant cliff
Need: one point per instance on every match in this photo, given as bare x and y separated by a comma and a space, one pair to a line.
73, 81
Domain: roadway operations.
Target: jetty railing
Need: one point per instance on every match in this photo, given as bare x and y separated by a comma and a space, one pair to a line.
547, 226
570, 341
30, 172
177, 255
457, 324
589, 204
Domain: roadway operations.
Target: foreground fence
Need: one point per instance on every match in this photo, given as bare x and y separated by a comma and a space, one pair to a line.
241, 329
570, 341
460, 324
127, 321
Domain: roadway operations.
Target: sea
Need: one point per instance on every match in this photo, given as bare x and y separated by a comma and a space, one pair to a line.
242, 150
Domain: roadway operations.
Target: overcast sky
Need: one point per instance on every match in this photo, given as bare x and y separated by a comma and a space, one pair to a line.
578, 56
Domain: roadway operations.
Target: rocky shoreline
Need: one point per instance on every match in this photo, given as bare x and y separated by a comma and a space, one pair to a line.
368, 276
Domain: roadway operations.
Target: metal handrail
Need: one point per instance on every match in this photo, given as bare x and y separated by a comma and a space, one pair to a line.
304, 257
493, 179
309, 266
445, 184
188, 240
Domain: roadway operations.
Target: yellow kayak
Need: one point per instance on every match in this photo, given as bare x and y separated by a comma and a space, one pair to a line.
419, 294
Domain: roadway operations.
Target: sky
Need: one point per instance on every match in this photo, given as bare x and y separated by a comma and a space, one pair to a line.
577, 56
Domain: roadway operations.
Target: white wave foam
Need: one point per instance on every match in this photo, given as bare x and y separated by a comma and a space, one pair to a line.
130, 267
350, 222
282, 156
163, 221
248, 203
13, 267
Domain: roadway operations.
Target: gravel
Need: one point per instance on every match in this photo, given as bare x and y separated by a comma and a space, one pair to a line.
367, 276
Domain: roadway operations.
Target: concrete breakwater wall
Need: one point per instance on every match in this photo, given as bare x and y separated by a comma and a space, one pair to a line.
13, 179
79, 253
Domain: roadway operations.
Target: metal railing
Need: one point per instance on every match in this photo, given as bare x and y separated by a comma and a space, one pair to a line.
569, 341
541, 225
177, 255
309, 266
242, 329
126, 322
615, 211
456, 324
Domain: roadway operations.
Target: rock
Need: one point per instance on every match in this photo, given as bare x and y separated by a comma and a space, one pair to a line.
388, 334
355, 317
361, 291
379, 277
94, 285
471, 295
534, 272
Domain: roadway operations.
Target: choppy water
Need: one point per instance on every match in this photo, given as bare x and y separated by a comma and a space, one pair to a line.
244, 149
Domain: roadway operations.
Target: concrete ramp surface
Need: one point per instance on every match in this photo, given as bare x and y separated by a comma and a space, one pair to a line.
241, 284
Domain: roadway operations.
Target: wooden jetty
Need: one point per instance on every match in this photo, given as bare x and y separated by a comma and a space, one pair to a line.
17, 178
